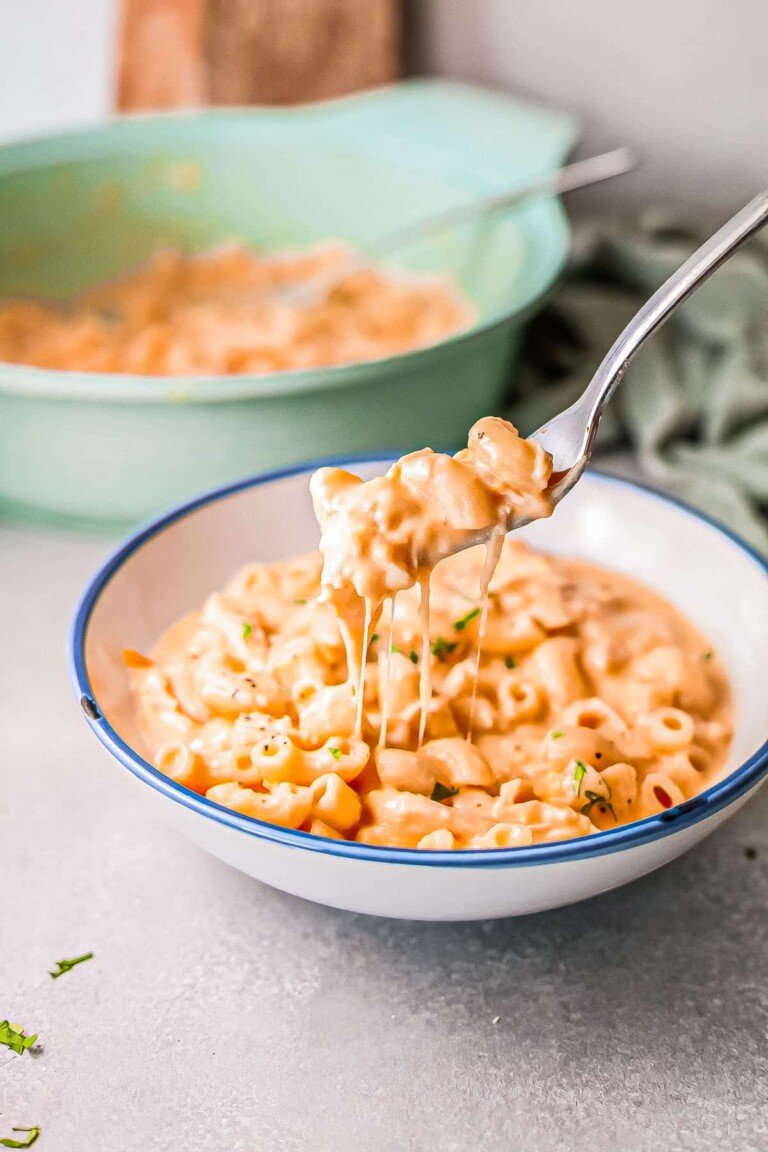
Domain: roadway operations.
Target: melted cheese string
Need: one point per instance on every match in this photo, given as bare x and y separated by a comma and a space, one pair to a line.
492, 556
425, 671
361, 675
387, 666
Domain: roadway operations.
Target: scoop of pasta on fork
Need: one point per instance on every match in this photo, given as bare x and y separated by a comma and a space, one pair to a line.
379, 536
385, 535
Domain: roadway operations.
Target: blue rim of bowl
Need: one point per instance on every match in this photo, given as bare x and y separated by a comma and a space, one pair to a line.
735, 785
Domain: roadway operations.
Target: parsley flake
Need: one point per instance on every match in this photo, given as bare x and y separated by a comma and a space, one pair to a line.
708, 655
247, 630
557, 735
510, 662
413, 656
441, 792
373, 638
336, 753
579, 773
442, 648
12, 1036
460, 625
65, 965
301, 600
9, 1142
599, 799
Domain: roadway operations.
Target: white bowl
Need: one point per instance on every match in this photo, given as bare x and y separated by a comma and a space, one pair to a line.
170, 566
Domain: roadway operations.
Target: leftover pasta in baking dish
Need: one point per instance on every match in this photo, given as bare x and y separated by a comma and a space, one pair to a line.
230, 312
500, 698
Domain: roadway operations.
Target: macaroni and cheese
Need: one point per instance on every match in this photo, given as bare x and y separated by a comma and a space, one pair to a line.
228, 312
497, 698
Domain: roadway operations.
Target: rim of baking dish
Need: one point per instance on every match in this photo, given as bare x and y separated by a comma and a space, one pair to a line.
738, 782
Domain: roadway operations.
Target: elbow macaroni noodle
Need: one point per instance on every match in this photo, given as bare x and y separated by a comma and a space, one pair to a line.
501, 699
225, 312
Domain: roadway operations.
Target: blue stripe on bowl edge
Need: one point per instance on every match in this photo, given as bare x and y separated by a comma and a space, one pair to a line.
685, 815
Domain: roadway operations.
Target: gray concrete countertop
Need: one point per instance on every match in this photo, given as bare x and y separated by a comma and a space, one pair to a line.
222, 1015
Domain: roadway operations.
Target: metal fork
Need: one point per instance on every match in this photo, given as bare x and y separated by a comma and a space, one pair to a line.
570, 436
580, 174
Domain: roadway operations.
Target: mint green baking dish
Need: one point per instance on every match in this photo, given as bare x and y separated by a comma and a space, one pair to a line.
105, 450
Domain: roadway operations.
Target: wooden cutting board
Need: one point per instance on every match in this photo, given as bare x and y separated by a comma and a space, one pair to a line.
192, 53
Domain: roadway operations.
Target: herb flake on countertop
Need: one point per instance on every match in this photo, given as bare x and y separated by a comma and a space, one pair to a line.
12, 1036
9, 1142
63, 966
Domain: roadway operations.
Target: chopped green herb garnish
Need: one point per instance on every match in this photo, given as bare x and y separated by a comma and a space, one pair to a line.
579, 773
301, 600
708, 655
65, 965
12, 1036
442, 648
599, 799
374, 638
510, 662
557, 735
413, 656
336, 753
247, 630
460, 625
441, 792
396, 648
9, 1142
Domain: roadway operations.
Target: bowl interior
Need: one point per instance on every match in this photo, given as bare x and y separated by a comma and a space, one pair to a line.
87, 206
168, 570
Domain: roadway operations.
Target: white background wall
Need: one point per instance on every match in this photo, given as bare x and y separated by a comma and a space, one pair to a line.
686, 81
55, 63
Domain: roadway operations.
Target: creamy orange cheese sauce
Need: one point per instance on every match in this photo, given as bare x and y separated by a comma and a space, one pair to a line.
226, 313
562, 698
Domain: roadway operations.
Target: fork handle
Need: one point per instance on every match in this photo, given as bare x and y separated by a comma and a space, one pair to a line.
680, 285
580, 174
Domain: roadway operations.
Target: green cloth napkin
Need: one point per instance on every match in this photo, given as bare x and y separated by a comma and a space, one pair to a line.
694, 404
